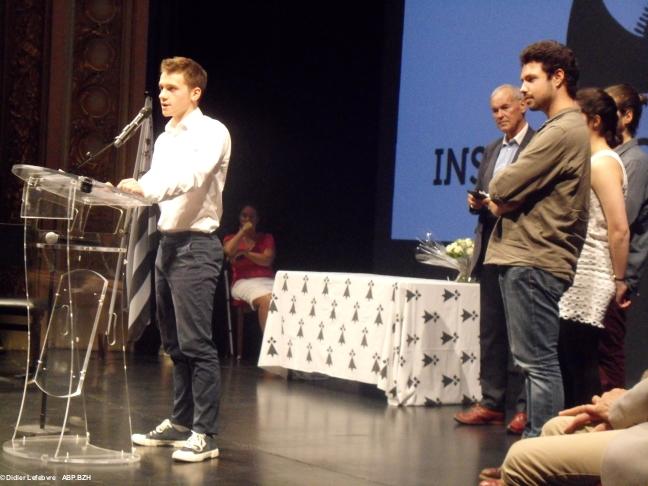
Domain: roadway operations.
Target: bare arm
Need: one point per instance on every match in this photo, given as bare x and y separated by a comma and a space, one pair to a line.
231, 246
264, 259
607, 180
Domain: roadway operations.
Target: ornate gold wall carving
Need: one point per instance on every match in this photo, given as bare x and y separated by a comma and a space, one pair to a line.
66, 88
96, 84
24, 76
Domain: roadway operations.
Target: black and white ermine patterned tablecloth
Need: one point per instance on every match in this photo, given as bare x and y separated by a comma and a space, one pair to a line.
416, 339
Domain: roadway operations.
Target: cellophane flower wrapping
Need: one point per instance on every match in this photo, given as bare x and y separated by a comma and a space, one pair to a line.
456, 256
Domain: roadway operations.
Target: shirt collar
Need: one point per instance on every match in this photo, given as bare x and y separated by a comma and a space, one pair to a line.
187, 122
519, 137
623, 148
560, 114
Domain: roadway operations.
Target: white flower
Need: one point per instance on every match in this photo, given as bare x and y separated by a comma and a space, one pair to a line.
463, 247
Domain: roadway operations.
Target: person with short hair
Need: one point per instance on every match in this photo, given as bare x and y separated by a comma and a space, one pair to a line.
186, 180
508, 110
542, 203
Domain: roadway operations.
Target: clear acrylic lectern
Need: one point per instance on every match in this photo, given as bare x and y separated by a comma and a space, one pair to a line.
75, 244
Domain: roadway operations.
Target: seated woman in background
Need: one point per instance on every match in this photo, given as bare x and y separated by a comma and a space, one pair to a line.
251, 255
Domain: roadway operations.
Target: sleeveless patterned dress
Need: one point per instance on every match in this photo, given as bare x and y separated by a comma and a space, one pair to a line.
593, 288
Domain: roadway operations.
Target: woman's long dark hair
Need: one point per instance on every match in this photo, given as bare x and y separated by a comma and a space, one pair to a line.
595, 101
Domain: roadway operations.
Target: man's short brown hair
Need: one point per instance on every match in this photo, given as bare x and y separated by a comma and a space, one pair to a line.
553, 56
194, 74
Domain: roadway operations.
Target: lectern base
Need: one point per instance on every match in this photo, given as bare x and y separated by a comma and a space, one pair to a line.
36, 429
76, 451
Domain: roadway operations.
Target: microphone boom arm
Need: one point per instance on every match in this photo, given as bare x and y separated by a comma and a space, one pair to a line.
128, 131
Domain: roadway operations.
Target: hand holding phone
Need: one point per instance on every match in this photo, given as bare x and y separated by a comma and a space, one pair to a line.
477, 200
479, 194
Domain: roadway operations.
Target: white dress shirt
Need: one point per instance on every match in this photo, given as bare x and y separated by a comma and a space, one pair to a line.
188, 174
509, 149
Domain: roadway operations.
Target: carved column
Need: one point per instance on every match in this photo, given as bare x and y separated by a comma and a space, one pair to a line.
23, 81
105, 92
72, 74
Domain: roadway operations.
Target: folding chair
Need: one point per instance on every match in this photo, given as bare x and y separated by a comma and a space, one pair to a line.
242, 308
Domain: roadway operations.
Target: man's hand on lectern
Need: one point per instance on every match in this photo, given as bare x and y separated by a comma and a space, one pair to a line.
130, 185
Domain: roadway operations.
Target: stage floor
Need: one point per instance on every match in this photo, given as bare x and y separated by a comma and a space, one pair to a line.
278, 432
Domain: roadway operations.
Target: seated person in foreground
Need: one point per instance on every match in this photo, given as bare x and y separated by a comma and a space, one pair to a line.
251, 255
605, 441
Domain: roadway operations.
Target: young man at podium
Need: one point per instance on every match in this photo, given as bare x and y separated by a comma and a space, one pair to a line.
186, 180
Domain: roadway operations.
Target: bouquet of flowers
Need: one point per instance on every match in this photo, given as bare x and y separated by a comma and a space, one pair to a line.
456, 255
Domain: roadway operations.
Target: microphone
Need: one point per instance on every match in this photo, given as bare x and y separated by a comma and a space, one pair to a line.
130, 129
52, 238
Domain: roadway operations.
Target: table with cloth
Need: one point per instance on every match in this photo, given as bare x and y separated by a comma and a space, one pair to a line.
416, 339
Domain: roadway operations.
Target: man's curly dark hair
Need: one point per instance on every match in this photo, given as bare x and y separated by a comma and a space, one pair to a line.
553, 56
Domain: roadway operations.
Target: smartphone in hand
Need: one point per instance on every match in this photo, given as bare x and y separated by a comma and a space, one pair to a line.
478, 194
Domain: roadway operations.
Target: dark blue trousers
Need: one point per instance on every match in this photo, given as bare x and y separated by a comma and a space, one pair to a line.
187, 268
